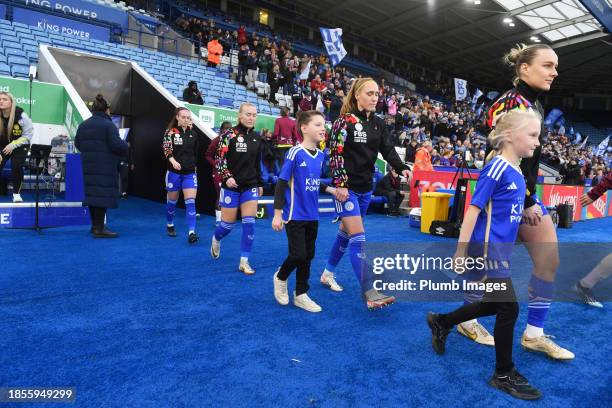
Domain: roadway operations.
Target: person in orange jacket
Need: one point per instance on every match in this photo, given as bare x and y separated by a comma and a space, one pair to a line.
215, 50
422, 160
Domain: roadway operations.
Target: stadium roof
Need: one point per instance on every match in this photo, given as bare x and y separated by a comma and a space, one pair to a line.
466, 39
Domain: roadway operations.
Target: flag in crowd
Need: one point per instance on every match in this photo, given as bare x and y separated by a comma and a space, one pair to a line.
603, 146
460, 89
332, 39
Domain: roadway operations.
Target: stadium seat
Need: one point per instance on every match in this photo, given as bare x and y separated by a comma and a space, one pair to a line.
226, 102
20, 71
5, 69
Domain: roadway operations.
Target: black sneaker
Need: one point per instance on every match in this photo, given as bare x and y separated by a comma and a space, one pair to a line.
171, 230
586, 295
439, 332
193, 238
516, 385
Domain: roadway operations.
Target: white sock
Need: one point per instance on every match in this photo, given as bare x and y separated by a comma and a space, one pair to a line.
170, 225
532, 331
217, 215
326, 272
244, 259
191, 232
470, 321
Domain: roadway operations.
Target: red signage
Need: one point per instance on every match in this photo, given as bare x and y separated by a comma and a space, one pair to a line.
436, 179
553, 195
598, 208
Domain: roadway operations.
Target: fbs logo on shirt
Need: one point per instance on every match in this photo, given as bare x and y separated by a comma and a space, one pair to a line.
359, 135
241, 146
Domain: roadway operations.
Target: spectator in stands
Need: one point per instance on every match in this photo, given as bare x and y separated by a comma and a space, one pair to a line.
336, 99
285, 135
411, 150
252, 66
599, 175
264, 65
192, 94
306, 101
243, 55
242, 36
215, 50
571, 173
389, 187
275, 81
16, 133
268, 150
101, 148
422, 159
392, 106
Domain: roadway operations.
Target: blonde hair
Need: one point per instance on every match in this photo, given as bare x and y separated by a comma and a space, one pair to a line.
350, 102
246, 105
506, 124
522, 54
11, 119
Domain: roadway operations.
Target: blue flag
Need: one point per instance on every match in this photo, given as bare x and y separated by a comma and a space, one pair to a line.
332, 39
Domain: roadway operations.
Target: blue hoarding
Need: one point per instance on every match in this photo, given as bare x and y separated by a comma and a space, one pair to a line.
83, 9
60, 25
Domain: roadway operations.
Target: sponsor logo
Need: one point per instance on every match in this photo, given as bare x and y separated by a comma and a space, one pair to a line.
516, 213
178, 140
207, 118
313, 184
240, 139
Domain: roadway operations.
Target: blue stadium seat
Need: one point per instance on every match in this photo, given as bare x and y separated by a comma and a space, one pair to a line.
16, 60
5, 69
237, 104
226, 102
212, 101
20, 26
28, 41
20, 71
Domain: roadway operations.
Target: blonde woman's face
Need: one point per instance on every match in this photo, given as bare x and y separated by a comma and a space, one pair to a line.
542, 71
367, 96
526, 139
184, 118
247, 116
5, 102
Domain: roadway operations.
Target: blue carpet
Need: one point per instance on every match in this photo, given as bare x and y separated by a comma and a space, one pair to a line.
148, 321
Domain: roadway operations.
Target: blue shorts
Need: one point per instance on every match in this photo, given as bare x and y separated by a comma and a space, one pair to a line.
233, 199
356, 204
177, 182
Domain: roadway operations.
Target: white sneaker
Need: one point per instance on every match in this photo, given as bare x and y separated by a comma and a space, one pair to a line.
545, 344
17, 198
476, 332
306, 303
215, 248
328, 279
246, 268
280, 290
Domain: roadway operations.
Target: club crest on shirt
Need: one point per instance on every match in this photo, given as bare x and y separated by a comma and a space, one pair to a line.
349, 206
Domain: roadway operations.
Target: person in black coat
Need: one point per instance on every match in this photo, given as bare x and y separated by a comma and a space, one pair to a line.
389, 186
192, 94
101, 149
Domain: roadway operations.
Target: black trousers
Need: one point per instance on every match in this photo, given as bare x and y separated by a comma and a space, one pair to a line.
502, 304
394, 200
280, 153
97, 215
18, 157
301, 237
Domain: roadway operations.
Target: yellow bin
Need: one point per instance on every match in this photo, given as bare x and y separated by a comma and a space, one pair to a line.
434, 207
